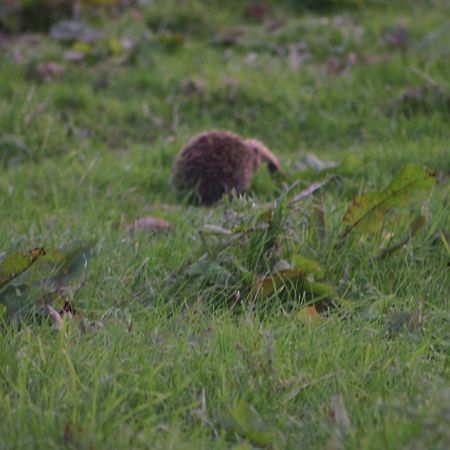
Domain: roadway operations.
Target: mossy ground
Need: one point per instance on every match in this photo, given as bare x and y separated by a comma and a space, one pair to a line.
84, 155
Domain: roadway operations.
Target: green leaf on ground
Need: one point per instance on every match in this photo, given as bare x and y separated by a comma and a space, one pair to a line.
308, 266
367, 212
73, 265
44, 277
16, 263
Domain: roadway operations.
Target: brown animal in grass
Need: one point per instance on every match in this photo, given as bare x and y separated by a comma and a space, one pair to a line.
217, 162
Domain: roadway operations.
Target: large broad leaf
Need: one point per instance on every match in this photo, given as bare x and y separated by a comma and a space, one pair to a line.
73, 265
57, 268
16, 301
407, 182
31, 282
15, 264
367, 212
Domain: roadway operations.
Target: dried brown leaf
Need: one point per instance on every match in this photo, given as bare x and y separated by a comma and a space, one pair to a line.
55, 317
150, 225
48, 71
308, 192
256, 11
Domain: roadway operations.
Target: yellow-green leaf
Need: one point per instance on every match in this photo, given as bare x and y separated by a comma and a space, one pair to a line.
309, 314
308, 266
252, 425
172, 40
295, 282
268, 285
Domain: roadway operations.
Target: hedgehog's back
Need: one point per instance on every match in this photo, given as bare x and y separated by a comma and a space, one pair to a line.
212, 164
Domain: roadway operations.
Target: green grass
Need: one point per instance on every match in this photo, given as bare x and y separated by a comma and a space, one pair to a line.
166, 365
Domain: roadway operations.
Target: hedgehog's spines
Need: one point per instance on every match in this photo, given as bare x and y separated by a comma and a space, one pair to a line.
218, 162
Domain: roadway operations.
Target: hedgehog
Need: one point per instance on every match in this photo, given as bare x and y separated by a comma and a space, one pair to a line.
216, 163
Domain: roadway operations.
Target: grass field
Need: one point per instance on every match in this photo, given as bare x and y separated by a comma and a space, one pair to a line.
176, 350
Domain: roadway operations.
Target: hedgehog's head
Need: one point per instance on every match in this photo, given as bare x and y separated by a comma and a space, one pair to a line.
263, 155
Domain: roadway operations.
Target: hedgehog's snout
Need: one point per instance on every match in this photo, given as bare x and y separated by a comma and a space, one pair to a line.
263, 155
273, 168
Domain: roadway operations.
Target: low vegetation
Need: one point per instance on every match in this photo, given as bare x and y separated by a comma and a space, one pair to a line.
313, 312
